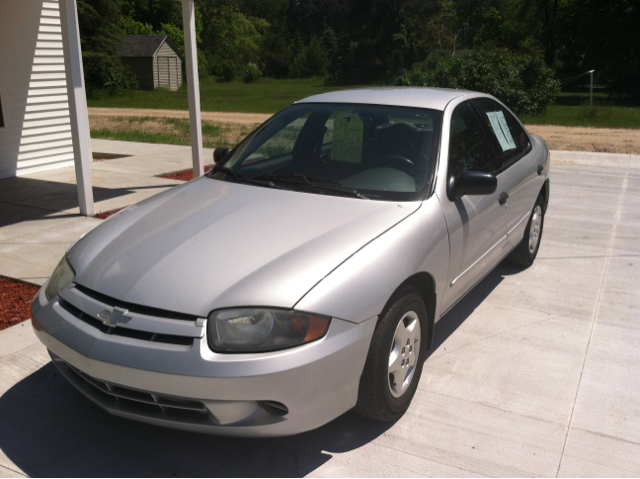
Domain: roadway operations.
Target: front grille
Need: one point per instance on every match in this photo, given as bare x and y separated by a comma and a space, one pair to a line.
135, 402
134, 308
127, 333
147, 324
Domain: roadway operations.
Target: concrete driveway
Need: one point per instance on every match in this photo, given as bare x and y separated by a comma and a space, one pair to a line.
535, 373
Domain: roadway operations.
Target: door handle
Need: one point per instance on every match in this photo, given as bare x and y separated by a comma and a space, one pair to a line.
540, 169
503, 199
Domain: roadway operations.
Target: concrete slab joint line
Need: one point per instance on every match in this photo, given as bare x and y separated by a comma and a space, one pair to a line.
12, 470
597, 307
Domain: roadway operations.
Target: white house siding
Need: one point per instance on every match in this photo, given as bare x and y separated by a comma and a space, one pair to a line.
167, 68
33, 88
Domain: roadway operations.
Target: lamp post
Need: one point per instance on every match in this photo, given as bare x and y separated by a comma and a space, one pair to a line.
591, 90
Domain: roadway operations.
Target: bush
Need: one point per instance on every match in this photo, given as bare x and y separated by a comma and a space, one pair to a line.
523, 82
252, 73
311, 61
103, 72
224, 70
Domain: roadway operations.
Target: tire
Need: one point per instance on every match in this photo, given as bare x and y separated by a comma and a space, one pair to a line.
381, 395
527, 250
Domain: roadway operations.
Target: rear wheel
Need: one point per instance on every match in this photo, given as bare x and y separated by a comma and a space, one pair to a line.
396, 355
527, 250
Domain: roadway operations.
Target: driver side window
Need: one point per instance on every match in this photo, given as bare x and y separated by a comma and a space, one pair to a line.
469, 149
281, 143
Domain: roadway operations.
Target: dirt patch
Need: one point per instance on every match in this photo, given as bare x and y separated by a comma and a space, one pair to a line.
246, 119
184, 175
15, 301
604, 140
234, 126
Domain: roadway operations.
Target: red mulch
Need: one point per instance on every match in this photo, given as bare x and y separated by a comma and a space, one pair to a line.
184, 175
15, 301
106, 214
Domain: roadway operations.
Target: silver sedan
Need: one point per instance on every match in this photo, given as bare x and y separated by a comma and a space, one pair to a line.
305, 274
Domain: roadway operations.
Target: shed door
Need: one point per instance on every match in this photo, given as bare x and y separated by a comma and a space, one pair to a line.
168, 72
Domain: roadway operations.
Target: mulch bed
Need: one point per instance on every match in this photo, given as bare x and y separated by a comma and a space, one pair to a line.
184, 175
104, 215
15, 301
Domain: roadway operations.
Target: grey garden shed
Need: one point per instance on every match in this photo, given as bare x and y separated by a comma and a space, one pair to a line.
154, 59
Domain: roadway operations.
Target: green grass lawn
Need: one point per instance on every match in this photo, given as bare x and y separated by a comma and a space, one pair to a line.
263, 96
571, 108
599, 116
270, 96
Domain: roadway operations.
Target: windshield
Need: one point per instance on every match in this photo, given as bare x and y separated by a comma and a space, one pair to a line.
365, 151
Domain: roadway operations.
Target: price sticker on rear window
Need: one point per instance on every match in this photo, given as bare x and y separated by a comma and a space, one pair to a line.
501, 129
347, 138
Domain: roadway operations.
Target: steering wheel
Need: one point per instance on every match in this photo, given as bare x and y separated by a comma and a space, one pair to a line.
401, 163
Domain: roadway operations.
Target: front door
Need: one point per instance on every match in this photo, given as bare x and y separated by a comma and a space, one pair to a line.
476, 224
524, 178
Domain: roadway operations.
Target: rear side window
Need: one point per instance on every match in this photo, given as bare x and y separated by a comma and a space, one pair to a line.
469, 149
508, 135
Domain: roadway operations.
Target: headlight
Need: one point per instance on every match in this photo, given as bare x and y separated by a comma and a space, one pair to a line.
61, 277
257, 329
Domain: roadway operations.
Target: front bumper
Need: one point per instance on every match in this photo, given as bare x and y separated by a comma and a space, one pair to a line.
185, 385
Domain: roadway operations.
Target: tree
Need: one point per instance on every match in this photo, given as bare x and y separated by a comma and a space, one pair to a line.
231, 39
604, 36
311, 61
100, 25
523, 82
99, 22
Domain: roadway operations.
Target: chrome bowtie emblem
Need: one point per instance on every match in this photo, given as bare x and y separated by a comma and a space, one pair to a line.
114, 317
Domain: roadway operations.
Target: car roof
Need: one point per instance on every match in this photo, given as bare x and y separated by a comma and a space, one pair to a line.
417, 97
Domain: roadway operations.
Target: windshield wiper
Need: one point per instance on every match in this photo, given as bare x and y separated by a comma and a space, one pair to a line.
318, 183
243, 179
298, 178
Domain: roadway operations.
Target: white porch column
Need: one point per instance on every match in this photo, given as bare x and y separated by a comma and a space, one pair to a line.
193, 85
79, 114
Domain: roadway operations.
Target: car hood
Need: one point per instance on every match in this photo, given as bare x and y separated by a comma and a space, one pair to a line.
211, 244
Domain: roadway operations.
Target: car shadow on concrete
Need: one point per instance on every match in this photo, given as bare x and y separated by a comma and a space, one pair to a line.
27, 199
49, 429
457, 315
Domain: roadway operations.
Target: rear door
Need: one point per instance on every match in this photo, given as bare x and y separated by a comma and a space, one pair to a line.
518, 165
476, 224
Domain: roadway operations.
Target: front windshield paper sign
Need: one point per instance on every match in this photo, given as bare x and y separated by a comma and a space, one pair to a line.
501, 129
347, 138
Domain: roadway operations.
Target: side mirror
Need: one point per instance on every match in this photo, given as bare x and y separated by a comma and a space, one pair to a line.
471, 183
220, 155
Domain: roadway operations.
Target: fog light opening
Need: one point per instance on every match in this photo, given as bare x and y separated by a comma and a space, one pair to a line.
274, 407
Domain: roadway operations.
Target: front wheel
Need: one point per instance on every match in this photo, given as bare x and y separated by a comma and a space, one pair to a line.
527, 250
396, 355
